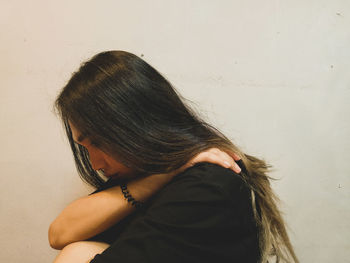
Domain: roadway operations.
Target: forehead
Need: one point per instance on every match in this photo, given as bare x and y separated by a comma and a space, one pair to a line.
76, 134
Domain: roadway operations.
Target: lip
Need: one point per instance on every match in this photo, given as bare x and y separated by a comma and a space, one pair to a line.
111, 175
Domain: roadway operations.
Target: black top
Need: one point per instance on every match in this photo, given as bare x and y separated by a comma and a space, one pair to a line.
203, 215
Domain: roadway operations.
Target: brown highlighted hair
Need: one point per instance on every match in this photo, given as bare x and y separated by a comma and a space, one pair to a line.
132, 112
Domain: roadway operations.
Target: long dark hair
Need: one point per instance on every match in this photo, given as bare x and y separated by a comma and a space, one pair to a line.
133, 113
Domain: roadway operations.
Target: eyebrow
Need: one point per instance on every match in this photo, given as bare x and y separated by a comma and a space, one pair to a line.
81, 137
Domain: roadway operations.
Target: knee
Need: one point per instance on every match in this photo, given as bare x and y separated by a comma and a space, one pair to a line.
80, 252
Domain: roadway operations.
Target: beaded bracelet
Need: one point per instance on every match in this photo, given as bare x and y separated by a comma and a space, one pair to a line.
128, 196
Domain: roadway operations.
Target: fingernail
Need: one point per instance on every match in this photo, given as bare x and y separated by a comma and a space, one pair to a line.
237, 168
227, 164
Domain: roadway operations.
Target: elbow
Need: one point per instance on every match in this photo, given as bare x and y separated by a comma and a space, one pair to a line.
55, 238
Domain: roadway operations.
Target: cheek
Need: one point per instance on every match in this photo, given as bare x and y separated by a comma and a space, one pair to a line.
115, 164
117, 167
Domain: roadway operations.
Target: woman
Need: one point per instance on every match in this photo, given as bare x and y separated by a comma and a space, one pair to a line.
125, 120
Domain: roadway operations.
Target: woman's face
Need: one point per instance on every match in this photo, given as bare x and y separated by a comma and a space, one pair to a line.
99, 159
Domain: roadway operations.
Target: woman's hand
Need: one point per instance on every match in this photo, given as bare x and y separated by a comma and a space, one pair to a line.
79, 220
216, 156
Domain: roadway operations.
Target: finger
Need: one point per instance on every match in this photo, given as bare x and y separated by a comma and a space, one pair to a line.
215, 155
215, 150
223, 159
230, 165
236, 168
234, 156
233, 166
230, 162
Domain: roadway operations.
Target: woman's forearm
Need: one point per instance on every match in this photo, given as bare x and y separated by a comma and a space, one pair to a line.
90, 215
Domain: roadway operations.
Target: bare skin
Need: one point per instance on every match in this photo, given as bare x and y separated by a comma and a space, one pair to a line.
79, 217
80, 252
85, 251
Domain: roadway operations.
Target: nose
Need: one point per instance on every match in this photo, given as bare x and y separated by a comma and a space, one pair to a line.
97, 159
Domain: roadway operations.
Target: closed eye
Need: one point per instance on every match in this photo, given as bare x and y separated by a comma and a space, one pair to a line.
95, 144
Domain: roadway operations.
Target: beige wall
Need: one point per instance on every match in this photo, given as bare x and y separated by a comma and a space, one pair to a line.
272, 74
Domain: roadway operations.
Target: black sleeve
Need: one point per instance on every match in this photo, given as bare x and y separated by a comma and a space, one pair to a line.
190, 220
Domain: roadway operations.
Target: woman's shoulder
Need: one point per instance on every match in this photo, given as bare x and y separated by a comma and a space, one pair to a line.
206, 183
223, 179
207, 193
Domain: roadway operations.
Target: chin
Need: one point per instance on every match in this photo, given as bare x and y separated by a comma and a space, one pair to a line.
112, 175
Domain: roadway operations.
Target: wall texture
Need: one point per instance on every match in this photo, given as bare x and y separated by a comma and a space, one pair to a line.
273, 75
